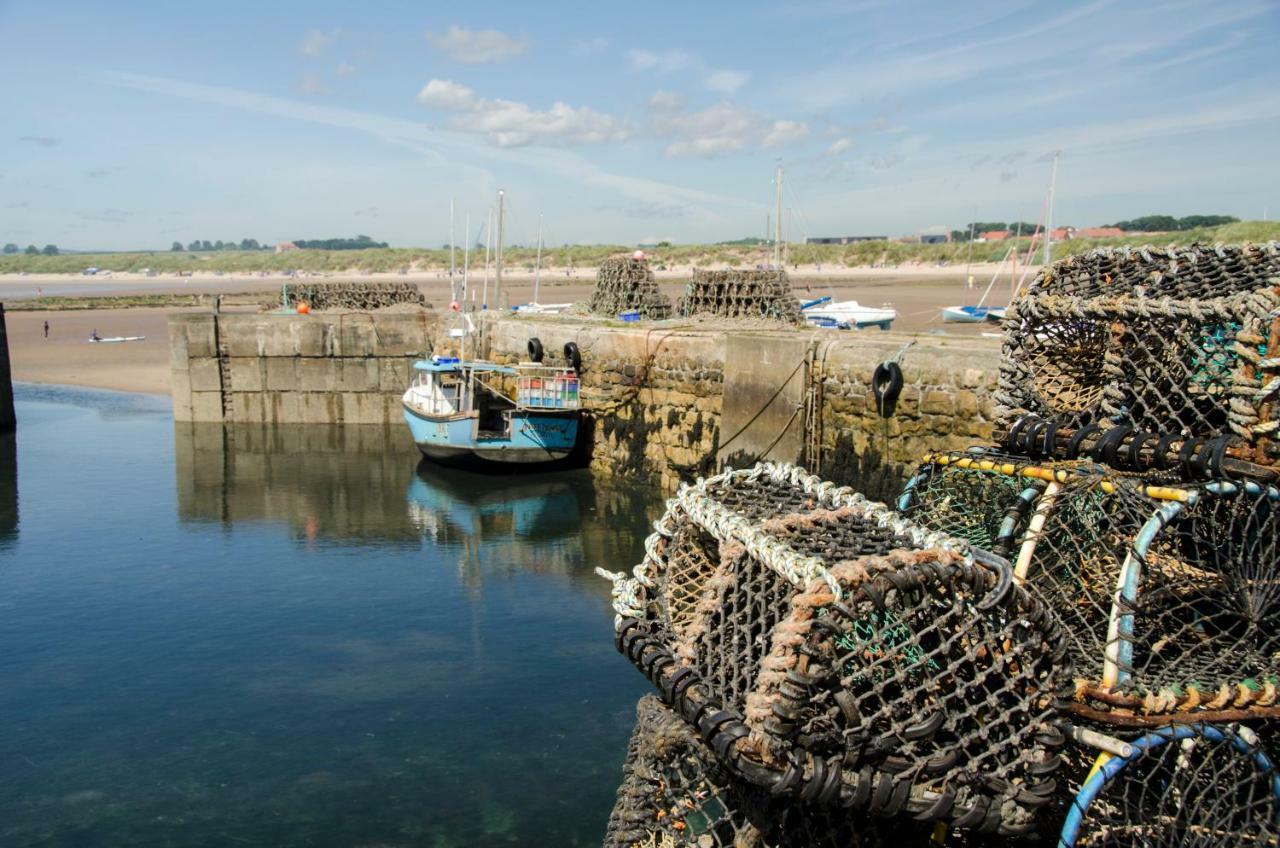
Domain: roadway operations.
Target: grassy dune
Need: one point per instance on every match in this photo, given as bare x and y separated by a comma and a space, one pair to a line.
391, 259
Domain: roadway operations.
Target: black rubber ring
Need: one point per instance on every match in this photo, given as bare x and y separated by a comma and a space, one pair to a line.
1073, 446
1161, 458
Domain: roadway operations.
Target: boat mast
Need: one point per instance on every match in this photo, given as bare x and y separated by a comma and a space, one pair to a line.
777, 221
1048, 222
968, 259
497, 258
488, 242
453, 293
1013, 275
537, 268
466, 257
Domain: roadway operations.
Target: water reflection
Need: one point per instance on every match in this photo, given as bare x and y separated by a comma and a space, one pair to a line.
298, 637
368, 485
8, 489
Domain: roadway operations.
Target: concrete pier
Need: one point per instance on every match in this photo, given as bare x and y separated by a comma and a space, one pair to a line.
664, 403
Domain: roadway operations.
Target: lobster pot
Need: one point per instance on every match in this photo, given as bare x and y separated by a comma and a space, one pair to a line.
1178, 341
675, 793
741, 294
1169, 597
624, 285
827, 650
360, 297
1181, 785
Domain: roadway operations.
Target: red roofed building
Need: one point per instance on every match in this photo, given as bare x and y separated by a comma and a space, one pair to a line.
994, 235
1100, 232
1063, 233
285, 246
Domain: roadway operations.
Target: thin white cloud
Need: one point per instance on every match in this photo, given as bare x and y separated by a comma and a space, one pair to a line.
312, 85
478, 47
725, 81
316, 41
345, 69
509, 123
665, 101
430, 141
592, 46
720, 129
662, 61
840, 145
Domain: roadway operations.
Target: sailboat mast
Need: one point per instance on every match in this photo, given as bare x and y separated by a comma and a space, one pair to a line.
537, 267
1048, 220
968, 259
453, 293
497, 258
777, 220
488, 243
466, 257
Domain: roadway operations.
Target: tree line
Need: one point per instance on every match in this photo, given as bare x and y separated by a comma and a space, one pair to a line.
1169, 224
206, 246
32, 250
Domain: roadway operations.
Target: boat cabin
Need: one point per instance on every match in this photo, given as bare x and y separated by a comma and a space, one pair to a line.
447, 389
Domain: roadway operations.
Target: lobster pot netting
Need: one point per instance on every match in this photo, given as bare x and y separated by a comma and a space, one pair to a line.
741, 294
675, 793
825, 649
1189, 786
624, 284
1175, 341
1169, 598
353, 296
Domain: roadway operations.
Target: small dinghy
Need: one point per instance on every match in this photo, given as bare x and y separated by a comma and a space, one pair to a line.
115, 339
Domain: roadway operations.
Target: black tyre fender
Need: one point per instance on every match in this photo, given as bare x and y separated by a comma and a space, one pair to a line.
572, 356
535, 350
886, 385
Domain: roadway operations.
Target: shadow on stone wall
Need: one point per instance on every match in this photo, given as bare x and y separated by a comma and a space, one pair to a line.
867, 472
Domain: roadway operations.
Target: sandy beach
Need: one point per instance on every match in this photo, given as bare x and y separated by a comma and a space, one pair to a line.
66, 357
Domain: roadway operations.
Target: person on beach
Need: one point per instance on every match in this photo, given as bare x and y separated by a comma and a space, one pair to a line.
46, 329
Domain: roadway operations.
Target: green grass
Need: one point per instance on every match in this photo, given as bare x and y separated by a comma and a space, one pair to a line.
391, 259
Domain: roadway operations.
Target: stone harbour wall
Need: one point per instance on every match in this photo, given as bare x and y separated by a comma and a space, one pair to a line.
341, 368
663, 404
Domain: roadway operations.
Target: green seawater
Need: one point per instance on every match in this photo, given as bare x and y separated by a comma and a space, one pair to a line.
300, 637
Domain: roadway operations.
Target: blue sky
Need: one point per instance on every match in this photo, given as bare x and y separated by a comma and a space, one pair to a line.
130, 125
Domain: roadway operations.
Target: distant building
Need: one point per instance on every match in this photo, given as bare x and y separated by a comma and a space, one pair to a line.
1063, 234
935, 239
843, 239
285, 246
1099, 232
994, 235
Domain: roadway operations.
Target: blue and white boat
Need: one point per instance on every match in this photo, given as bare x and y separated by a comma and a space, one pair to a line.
460, 411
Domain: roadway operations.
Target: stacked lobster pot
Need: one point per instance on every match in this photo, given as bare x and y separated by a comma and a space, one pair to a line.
1135, 494
356, 297
835, 665
623, 284
741, 294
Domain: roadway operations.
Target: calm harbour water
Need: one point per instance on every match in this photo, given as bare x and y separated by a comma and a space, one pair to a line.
300, 638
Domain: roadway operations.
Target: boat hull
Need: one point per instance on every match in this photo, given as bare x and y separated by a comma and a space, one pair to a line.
535, 437
966, 314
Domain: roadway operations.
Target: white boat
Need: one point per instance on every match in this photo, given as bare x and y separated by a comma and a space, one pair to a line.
968, 314
113, 339
541, 308
850, 312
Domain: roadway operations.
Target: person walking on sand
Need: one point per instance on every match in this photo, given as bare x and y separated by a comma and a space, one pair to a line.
46, 330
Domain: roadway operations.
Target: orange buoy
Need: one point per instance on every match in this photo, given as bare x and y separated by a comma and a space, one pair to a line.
303, 308
454, 306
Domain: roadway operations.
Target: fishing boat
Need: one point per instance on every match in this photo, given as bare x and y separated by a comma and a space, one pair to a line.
848, 312
461, 411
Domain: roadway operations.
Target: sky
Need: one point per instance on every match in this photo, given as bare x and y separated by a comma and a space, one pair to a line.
133, 124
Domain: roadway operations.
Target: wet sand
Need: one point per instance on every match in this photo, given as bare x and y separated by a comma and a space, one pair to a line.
68, 358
